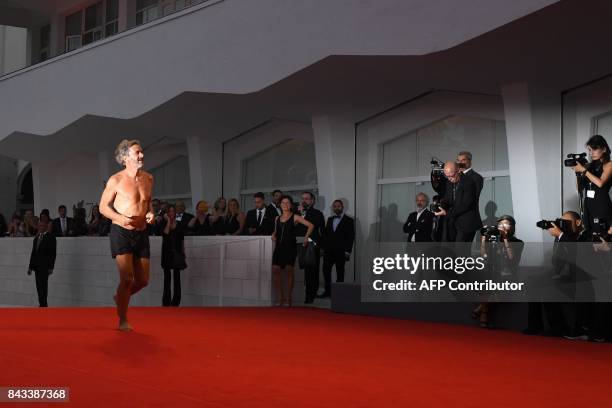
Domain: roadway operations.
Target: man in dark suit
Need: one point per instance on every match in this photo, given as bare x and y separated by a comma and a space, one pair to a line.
260, 220
63, 226
419, 224
42, 260
337, 244
311, 214
461, 197
464, 160
182, 217
277, 195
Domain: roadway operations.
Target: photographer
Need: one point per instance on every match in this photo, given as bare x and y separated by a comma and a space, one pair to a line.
503, 251
461, 196
567, 229
464, 162
601, 329
593, 182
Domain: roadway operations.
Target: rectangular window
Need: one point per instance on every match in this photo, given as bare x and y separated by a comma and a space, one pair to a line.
111, 20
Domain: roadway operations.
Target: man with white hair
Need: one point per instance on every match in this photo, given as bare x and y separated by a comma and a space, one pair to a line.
419, 224
126, 201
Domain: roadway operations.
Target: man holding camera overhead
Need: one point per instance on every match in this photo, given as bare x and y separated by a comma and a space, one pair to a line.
461, 204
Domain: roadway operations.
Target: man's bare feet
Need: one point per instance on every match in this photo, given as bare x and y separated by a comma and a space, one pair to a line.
125, 326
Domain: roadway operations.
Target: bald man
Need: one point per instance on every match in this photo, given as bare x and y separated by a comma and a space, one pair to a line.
462, 214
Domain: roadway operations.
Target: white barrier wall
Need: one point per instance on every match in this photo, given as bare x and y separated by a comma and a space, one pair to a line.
227, 271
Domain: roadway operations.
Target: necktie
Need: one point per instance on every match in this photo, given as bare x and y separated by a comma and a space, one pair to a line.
258, 217
39, 241
63, 225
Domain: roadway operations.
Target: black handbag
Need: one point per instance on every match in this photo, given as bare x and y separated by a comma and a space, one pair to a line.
307, 257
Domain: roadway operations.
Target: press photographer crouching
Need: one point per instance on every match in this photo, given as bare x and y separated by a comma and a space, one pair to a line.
503, 251
567, 229
461, 211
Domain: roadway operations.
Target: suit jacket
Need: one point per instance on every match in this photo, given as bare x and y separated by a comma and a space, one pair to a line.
267, 223
464, 214
183, 224
42, 257
57, 227
318, 220
477, 178
272, 209
421, 228
341, 240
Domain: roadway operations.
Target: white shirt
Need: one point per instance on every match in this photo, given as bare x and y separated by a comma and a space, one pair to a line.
63, 225
466, 170
263, 214
419, 212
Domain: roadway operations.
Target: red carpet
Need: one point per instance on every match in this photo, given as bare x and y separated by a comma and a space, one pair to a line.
195, 357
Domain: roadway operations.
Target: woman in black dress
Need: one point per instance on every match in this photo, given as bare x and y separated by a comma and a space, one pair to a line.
285, 248
594, 181
200, 224
234, 220
217, 220
172, 257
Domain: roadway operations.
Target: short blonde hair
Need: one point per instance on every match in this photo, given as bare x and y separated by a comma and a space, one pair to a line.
123, 149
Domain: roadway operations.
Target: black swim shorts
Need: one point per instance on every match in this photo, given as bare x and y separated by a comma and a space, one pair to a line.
125, 241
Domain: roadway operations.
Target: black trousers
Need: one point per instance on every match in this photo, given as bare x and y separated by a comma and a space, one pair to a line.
328, 262
554, 313
311, 278
42, 287
174, 299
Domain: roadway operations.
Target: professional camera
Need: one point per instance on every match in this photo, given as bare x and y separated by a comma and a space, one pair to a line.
437, 167
575, 158
491, 233
564, 225
600, 230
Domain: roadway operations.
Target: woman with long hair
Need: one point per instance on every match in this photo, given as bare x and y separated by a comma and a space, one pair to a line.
31, 223
217, 221
594, 181
172, 257
285, 248
200, 224
234, 220
98, 224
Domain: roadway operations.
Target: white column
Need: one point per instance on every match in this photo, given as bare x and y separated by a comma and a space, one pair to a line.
522, 158
334, 139
205, 168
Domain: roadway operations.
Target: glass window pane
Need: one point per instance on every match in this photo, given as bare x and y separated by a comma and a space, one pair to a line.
399, 157
73, 24
396, 202
172, 178
112, 10
111, 29
140, 4
289, 163
93, 16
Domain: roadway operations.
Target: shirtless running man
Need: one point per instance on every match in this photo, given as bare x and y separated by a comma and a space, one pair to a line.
126, 201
